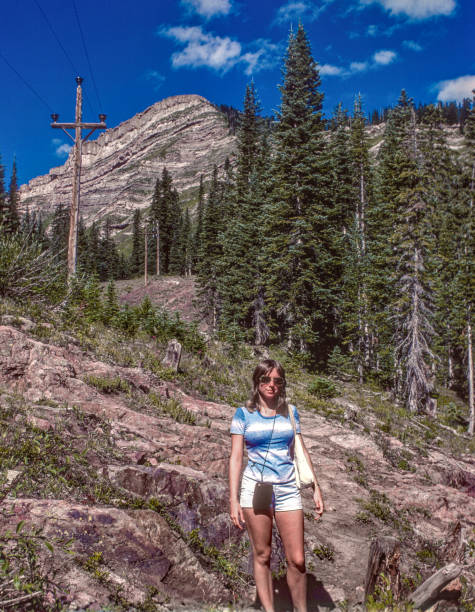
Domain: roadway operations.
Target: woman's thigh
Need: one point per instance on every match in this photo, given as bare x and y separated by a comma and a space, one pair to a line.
259, 527
290, 526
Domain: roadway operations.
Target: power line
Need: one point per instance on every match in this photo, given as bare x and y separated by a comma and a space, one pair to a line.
66, 54
87, 55
75, 70
30, 87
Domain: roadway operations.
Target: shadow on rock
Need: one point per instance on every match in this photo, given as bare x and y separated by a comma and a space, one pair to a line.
318, 598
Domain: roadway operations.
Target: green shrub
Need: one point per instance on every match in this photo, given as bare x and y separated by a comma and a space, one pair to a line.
322, 388
27, 271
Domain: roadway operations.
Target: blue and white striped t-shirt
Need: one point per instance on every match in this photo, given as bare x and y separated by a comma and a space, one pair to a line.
277, 467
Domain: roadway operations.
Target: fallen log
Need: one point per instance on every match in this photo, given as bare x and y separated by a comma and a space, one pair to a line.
428, 591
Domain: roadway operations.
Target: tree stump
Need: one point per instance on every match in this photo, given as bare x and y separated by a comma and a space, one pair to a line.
173, 355
430, 589
383, 558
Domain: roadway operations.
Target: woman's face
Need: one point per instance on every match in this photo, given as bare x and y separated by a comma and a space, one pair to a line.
269, 388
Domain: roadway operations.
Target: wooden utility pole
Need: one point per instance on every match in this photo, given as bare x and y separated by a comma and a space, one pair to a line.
77, 126
158, 248
145, 255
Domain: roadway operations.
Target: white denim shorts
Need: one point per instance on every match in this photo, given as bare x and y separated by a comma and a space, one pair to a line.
285, 496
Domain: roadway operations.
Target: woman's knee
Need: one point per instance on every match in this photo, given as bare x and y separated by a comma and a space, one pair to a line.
297, 562
262, 555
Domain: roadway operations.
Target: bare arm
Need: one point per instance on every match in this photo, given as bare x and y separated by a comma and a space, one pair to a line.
317, 494
235, 465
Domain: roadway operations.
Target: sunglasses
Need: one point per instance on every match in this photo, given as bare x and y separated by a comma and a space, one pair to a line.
265, 380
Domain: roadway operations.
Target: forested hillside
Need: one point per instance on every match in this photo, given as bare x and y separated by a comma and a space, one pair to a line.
359, 265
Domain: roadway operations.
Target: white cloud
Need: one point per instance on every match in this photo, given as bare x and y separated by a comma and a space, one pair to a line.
380, 58
416, 9
358, 66
295, 10
329, 70
209, 8
156, 78
292, 11
384, 57
456, 89
372, 30
412, 45
205, 50
62, 149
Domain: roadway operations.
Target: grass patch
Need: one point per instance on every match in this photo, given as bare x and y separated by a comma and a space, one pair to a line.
357, 469
108, 384
173, 408
324, 552
379, 507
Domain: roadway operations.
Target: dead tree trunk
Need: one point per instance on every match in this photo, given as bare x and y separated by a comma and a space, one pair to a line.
383, 558
428, 591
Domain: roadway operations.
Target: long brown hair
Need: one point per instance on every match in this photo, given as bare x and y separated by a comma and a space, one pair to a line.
262, 369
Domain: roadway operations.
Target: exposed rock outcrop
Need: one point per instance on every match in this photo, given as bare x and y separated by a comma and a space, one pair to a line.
181, 547
119, 169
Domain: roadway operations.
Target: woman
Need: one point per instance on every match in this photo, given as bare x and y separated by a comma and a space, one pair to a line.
264, 425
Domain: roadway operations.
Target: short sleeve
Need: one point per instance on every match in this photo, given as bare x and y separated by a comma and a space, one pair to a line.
297, 419
238, 424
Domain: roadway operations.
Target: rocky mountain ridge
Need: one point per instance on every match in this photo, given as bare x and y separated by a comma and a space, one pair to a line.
184, 133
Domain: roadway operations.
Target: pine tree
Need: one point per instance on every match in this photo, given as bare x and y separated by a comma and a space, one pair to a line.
238, 284
199, 224
177, 251
59, 234
300, 271
111, 308
165, 217
353, 167
188, 244
405, 217
209, 254
466, 285
137, 255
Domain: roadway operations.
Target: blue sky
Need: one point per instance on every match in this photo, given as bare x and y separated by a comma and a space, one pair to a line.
145, 51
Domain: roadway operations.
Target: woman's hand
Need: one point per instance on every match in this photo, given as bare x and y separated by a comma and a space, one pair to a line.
236, 513
318, 499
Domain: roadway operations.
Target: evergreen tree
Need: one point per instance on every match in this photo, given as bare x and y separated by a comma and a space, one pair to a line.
354, 167
209, 254
300, 270
239, 276
177, 251
111, 307
402, 246
164, 215
59, 234
465, 284
137, 255
199, 224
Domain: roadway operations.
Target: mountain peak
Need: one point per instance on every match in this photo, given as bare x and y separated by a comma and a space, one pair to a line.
185, 134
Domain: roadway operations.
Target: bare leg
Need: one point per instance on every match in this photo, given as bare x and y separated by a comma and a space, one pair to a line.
259, 527
290, 525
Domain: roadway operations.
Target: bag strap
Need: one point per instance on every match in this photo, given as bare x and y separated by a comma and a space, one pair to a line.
267, 451
292, 418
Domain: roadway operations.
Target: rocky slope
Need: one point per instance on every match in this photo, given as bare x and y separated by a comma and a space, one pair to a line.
119, 169
132, 471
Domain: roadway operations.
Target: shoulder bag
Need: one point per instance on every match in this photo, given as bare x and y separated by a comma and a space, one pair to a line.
303, 472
